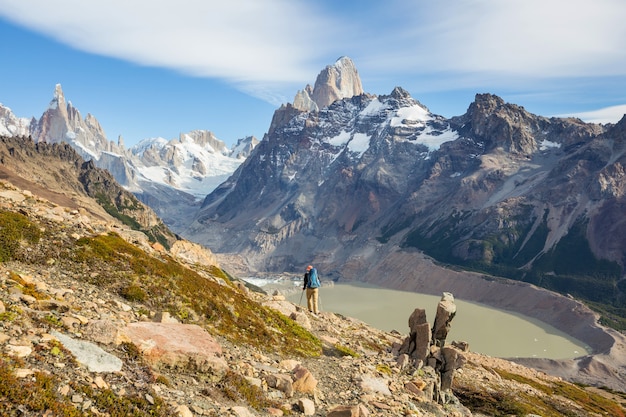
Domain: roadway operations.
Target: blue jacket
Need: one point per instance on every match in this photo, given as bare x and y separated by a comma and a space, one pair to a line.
311, 279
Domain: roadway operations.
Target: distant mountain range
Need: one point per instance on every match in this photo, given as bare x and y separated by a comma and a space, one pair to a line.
172, 176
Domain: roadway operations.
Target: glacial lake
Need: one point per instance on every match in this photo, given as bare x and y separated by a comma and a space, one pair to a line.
489, 331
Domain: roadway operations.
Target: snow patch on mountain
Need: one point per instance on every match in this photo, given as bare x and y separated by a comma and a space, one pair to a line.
433, 139
546, 144
414, 113
11, 125
414, 117
82, 149
340, 140
141, 147
360, 143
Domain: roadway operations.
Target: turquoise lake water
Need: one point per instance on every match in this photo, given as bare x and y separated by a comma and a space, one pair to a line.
490, 331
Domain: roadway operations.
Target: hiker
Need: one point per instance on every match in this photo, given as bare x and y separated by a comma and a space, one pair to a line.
311, 285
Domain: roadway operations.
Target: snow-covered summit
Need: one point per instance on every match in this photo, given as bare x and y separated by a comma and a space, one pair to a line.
11, 125
195, 163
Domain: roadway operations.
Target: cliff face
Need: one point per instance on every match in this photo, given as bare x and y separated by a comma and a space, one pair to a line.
62, 122
337, 81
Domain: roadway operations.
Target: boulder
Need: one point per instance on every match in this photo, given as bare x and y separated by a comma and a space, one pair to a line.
280, 382
348, 411
304, 381
301, 318
416, 345
175, 345
53, 305
307, 406
240, 411
183, 411
90, 355
452, 360
105, 332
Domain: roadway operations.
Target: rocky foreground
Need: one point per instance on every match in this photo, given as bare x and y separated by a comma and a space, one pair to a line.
75, 343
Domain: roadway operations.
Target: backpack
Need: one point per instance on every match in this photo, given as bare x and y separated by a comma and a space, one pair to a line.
314, 281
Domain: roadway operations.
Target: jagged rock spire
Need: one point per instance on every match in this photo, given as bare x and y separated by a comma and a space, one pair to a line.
337, 81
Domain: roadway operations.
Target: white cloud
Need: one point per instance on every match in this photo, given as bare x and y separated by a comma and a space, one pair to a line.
271, 48
525, 39
253, 44
611, 114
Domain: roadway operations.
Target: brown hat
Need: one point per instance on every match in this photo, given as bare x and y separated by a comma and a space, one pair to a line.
308, 268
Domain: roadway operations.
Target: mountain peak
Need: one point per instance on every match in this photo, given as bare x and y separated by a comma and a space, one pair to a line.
336, 81
58, 91
58, 99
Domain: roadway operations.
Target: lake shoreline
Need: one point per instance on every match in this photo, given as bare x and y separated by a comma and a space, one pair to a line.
604, 366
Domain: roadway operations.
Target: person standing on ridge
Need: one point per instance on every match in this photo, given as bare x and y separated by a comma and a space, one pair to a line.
311, 285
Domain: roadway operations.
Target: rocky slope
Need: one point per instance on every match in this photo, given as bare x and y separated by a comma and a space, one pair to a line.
95, 320
59, 170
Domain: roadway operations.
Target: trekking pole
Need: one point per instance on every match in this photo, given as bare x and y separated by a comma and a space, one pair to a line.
301, 294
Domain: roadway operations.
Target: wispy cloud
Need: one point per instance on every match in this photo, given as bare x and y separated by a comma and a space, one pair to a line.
606, 115
525, 39
253, 44
263, 46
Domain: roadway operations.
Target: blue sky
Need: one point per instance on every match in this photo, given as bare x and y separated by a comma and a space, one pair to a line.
148, 68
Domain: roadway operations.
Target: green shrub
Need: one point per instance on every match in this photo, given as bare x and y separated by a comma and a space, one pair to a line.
14, 229
168, 285
37, 394
345, 351
133, 292
237, 388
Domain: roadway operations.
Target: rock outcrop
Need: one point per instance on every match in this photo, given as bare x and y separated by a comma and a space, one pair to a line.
337, 81
427, 347
178, 346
